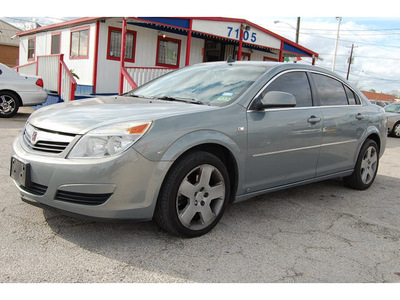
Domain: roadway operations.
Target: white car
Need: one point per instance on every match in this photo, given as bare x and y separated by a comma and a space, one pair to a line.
17, 90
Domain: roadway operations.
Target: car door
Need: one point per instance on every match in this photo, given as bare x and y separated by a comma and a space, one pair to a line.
344, 122
283, 143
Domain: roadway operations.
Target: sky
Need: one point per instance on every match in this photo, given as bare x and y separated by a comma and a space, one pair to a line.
374, 29
376, 52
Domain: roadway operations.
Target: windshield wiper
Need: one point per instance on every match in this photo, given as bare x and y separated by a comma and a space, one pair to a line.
187, 100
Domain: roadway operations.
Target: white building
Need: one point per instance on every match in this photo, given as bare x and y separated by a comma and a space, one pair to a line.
91, 48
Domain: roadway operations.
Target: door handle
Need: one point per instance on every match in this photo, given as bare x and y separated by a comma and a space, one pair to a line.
313, 120
359, 116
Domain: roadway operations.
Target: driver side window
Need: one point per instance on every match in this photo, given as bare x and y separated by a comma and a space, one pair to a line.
295, 83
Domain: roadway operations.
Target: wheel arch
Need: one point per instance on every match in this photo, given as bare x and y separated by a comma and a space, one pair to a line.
375, 137
15, 93
224, 154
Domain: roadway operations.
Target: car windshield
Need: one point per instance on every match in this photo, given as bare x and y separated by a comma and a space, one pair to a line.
392, 108
210, 84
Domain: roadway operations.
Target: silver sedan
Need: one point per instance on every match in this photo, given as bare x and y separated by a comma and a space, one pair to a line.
393, 119
17, 90
180, 148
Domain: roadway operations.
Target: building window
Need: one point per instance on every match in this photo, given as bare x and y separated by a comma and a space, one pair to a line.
168, 52
267, 58
245, 56
55, 42
80, 43
31, 48
114, 44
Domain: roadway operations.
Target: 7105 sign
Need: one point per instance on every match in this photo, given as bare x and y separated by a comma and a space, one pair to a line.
246, 34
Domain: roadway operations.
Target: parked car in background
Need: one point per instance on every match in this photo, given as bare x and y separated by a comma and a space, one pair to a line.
379, 103
393, 119
181, 147
17, 90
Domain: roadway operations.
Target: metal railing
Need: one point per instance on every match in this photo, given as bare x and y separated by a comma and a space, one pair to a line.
47, 67
55, 74
28, 69
140, 75
67, 83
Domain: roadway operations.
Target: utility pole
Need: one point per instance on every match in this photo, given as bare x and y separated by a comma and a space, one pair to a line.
350, 61
297, 32
336, 43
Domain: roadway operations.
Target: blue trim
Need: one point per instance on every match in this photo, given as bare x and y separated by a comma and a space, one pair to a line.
51, 99
183, 23
84, 89
166, 29
294, 49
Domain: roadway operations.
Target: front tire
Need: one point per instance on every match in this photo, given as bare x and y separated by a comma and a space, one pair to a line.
9, 104
396, 130
194, 195
366, 167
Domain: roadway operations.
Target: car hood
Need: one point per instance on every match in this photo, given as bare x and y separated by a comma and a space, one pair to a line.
78, 117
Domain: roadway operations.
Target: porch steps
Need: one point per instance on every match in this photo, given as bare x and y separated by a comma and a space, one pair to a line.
52, 98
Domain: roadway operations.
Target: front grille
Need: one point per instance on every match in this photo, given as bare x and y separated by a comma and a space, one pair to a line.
45, 140
35, 189
82, 198
48, 146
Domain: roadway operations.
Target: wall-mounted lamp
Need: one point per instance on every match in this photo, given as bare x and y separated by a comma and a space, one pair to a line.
160, 33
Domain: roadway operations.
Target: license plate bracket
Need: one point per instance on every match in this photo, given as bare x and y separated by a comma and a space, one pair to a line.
20, 172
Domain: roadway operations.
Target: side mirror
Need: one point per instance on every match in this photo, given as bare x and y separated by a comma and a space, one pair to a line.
276, 99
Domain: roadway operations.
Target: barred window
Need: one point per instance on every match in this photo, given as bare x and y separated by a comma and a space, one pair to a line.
114, 44
168, 52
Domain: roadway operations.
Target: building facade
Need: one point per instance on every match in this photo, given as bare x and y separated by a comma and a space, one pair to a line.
91, 47
8, 44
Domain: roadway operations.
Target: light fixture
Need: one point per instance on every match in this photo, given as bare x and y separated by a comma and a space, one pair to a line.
160, 33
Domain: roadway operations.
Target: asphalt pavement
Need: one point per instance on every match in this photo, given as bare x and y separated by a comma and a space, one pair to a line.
321, 232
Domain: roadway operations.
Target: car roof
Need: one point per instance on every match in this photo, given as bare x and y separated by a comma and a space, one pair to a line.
6, 71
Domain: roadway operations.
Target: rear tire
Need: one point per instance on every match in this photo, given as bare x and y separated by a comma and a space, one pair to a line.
366, 167
9, 104
194, 195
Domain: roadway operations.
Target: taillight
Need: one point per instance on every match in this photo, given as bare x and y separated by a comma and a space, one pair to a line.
39, 82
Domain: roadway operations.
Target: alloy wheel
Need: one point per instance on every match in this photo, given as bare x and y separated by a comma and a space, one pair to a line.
200, 197
369, 165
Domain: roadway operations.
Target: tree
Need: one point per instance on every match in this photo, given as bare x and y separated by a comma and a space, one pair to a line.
395, 93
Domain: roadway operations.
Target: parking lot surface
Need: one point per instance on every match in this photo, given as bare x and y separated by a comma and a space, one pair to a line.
321, 232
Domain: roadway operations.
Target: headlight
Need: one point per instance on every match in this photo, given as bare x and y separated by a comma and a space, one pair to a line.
109, 140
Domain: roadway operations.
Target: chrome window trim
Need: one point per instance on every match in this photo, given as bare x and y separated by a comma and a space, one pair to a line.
298, 108
306, 71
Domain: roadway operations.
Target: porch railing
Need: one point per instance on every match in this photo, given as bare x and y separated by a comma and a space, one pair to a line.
47, 67
28, 69
55, 74
140, 75
67, 83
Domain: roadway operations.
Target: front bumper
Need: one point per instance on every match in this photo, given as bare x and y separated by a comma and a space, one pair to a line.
120, 187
